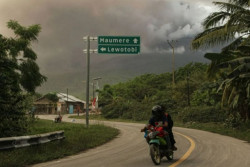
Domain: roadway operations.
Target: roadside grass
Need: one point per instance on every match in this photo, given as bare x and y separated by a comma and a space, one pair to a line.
243, 132
78, 139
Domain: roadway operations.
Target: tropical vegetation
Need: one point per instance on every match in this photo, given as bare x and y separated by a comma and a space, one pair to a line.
230, 26
134, 99
19, 77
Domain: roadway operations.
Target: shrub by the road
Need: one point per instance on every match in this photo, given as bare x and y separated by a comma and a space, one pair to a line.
201, 114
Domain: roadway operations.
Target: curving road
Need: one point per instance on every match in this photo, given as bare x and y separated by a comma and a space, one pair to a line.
195, 149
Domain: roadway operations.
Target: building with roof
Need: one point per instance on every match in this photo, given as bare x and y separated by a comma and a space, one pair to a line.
60, 103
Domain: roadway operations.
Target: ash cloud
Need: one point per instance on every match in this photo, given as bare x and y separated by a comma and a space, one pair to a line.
64, 24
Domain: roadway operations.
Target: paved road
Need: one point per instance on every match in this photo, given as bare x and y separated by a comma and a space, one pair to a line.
129, 149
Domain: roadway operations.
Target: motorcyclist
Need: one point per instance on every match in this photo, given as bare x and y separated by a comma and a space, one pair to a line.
159, 119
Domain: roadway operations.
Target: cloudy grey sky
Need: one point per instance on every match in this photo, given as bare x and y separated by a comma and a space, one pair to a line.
64, 23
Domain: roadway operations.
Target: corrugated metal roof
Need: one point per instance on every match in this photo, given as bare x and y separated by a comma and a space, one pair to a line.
63, 97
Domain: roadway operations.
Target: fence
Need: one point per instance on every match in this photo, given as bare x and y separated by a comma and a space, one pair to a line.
24, 141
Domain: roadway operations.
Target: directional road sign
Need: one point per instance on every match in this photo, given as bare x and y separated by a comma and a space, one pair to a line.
119, 44
118, 49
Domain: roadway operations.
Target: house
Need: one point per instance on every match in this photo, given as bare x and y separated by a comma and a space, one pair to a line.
55, 103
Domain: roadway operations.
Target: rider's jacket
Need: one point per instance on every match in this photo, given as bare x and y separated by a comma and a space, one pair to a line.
154, 122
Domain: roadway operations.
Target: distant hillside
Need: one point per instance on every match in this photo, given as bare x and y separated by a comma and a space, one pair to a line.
113, 70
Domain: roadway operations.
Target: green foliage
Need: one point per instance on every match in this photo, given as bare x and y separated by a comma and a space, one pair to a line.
52, 96
105, 96
206, 95
164, 99
222, 26
30, 76
18, 71
232, 65
194, 69
125, 109
12, 109
235, 85
18, 51
135, 98
233, 121
242, 132
189, 79
201, 114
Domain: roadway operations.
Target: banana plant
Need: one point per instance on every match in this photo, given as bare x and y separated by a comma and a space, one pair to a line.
236, 86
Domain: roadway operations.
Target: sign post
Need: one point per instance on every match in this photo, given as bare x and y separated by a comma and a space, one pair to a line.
87, 80
109, 45
88, 50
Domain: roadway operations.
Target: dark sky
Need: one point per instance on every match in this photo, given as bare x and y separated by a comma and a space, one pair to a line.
64, 23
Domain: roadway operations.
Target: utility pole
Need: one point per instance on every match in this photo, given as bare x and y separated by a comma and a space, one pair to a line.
67, 101
173, 61
188, 89
87, 80
87, 51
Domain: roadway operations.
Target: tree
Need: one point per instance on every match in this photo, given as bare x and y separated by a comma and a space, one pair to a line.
223, 26
18, 72
188, 79
231, 24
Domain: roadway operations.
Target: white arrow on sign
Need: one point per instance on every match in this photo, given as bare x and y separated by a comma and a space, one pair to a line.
103, 49
135, 40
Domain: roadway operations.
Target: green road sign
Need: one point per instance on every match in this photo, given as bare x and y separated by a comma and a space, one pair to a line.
119, 44
118, 49
119, 40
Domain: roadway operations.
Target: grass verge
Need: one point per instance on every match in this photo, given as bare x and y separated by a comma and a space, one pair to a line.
243, 132
78, 138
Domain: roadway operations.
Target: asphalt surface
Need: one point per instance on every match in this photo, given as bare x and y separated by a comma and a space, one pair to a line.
130, 149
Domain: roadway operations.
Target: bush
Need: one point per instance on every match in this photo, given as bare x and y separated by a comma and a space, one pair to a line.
126, 109
233, 121
52, 96
139, 111
201, 114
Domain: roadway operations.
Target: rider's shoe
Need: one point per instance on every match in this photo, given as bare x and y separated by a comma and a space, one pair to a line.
174, 148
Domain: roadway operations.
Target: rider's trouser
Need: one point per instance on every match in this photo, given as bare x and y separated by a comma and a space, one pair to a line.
171, 136
168, 141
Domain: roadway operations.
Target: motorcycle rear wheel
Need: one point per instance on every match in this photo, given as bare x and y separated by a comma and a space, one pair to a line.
155, 154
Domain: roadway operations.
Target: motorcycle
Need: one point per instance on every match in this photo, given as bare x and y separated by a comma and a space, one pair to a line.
58, 119
158, 145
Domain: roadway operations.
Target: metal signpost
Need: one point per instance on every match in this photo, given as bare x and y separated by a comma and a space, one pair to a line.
88, 51
109, 45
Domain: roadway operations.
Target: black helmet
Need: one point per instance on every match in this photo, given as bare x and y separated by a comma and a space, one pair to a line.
157, 111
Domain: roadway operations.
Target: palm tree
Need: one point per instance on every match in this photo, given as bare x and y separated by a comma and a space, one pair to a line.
231, 24
220, 27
